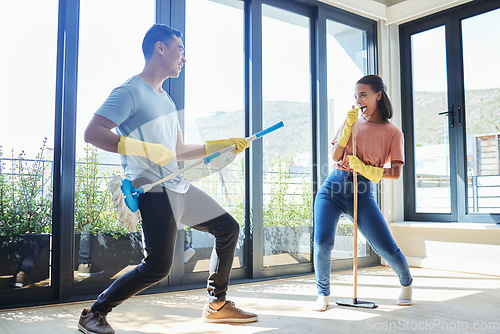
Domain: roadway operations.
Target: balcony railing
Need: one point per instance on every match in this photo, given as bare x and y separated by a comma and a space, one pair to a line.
483, 191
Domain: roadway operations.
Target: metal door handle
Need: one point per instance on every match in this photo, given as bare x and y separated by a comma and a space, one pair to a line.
451, 115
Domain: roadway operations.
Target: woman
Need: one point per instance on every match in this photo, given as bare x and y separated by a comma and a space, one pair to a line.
377, 142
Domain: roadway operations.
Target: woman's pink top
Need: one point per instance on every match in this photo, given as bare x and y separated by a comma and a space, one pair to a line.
376, 144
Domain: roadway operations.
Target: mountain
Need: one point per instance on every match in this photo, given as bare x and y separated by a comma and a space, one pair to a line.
483, 116
482, 108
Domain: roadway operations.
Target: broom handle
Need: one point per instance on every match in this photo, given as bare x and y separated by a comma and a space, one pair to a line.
355, 183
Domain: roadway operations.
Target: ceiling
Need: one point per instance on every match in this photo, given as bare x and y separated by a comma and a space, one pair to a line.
389, 3
395, 11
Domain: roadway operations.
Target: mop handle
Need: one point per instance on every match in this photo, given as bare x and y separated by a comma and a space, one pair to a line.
257, 135
355, 209
207, 159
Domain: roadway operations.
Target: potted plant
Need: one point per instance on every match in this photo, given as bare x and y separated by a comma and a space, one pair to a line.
99, 238
287, 221
25, 215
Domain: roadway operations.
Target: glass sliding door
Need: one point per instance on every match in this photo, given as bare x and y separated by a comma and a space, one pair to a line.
214, 109
482, 105
431, 136
27, 104
347, 62
286, 87
450, 98
111, 34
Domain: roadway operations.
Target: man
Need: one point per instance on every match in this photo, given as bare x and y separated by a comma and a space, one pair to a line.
148, 134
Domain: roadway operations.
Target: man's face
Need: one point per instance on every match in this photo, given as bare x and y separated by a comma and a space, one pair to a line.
173, 57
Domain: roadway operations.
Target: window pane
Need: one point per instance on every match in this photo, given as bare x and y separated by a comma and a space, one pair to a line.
111, 34
287, 153
432, 168
214, 109
346, 63
482, 96
27, 104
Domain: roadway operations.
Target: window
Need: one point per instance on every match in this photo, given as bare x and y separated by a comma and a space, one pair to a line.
431, 143
449, 108
214, 109
27, 103
110, 52
98, 45
287, 153
482, 93
347, 62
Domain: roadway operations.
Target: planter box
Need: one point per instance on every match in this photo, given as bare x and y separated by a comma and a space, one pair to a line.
113, 256
278, 239
34, 246
201, 239
344, 247
203, 243
286, 239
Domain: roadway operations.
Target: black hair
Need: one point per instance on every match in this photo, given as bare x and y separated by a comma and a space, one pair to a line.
157, 33
377, 85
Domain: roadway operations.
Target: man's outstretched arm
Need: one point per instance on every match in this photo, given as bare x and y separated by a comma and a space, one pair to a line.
99, 134
188, 151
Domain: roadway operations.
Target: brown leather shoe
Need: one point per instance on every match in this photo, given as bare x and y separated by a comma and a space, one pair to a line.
227, 313
94, 322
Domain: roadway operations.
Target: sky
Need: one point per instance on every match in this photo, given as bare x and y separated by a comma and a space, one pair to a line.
110, 40
481, 54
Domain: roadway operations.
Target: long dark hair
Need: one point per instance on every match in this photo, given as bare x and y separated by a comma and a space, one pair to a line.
377, 85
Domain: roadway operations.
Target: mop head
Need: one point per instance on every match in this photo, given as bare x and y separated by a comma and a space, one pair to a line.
354, 302
126, 218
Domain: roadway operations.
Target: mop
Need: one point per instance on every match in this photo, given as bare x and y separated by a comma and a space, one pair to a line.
125, 197
354, 302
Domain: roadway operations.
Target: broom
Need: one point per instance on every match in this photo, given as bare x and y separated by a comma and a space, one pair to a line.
354, 302
125, 197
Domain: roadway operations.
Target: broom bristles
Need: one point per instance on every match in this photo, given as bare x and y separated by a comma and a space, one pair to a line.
126, 217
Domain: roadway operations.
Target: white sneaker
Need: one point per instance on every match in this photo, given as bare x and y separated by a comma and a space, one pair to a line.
188, 254
405, 295
321, 304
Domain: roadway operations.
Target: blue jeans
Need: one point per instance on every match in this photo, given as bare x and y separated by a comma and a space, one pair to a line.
335, 197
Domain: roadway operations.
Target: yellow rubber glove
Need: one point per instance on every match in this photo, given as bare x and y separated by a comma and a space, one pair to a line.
157, 153
352, 117
213, 146
371, 173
